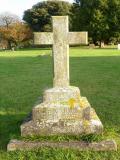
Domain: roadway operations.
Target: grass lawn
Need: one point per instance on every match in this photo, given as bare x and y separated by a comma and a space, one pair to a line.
25, 74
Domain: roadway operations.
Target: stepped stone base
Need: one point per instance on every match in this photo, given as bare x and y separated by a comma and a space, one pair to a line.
63, 111
108, 145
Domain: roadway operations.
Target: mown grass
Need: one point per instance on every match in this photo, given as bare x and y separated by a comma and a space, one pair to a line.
25, 74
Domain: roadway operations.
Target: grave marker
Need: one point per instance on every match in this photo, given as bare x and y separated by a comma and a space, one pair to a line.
63, 110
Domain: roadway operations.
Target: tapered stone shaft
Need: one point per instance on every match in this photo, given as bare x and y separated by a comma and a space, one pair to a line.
61, 51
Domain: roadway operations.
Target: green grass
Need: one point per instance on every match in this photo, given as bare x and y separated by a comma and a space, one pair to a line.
24, 75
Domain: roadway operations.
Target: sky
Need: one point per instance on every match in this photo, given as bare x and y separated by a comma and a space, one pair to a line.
18, 6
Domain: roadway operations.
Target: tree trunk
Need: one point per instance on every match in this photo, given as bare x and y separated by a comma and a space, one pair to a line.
102, 44
9, 45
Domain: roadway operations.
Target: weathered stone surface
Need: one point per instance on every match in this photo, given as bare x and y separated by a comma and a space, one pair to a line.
43, 38
108, 145
63, 111
63, 94
60, 39
61, 51
78, 38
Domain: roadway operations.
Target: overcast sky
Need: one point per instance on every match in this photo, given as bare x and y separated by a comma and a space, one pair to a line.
18, 6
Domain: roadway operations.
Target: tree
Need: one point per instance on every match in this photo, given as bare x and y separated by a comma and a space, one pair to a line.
39, 16
20, 32
13, 30
99, 18
113, 20
16, 34
6, 20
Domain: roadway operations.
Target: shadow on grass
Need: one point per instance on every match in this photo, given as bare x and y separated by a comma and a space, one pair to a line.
9, 128
28, 49
35, 49
109, 48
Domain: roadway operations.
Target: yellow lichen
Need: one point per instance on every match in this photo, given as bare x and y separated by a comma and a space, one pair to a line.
82, 103
71, 103
86, 123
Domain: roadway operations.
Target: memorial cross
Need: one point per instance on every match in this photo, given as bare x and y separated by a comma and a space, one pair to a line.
60, 38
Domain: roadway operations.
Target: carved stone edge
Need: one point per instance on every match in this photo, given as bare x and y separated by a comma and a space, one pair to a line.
107, 145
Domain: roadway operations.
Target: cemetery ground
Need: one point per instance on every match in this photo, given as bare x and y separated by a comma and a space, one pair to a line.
24, 75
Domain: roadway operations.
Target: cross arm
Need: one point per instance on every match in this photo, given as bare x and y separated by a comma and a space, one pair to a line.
78, 37
43, 38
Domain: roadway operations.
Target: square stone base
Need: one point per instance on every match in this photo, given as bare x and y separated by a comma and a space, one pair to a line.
63, 111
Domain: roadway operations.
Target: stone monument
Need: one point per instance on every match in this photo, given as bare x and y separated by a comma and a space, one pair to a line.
63, 110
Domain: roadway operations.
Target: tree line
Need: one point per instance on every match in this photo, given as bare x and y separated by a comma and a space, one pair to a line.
100, 18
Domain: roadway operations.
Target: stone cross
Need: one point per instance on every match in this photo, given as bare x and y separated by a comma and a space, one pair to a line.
60, 38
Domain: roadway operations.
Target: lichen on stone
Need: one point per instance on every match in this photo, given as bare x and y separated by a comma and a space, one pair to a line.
71, 103
82, 103
86, 123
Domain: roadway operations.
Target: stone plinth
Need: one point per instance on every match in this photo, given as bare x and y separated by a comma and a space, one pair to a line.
108, 145
63, 111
